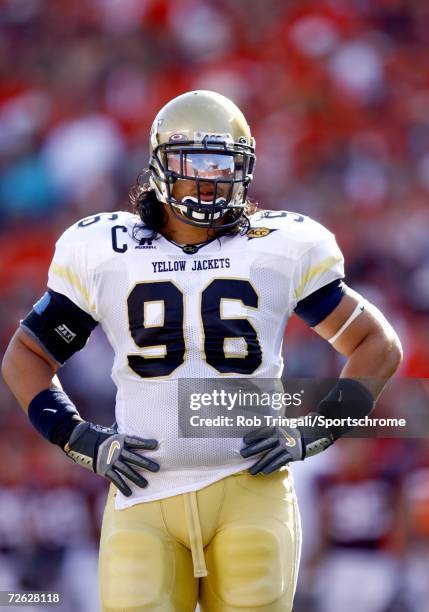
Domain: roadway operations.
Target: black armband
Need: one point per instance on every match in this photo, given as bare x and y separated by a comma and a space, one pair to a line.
349, 398
319, 304
54, 415
61, 327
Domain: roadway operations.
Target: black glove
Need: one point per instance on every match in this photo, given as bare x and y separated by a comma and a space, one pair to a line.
110, 454
347, 399
284, 444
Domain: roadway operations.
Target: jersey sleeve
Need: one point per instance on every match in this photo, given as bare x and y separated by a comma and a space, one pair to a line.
69, 272
320, 264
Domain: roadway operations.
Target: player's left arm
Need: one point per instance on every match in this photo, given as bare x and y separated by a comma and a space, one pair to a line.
358, 330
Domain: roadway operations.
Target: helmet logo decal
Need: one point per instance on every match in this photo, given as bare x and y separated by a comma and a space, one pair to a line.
178, 138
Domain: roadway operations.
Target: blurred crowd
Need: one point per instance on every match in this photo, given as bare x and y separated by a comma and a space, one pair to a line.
337, 95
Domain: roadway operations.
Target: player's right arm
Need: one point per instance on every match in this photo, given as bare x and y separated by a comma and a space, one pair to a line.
59, 325
27, 369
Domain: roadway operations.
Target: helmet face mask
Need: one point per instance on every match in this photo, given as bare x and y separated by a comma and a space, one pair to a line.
198, 167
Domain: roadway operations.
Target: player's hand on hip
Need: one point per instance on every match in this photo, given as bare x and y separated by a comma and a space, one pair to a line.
110, 454
282, 445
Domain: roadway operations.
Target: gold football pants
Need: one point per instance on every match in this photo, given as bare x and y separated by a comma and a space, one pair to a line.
233, 545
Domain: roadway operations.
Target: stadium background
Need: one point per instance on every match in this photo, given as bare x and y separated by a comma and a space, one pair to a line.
337, 94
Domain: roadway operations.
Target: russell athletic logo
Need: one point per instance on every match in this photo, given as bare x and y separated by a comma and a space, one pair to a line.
145, 243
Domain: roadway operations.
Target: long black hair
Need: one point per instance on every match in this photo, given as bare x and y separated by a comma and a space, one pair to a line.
151, 211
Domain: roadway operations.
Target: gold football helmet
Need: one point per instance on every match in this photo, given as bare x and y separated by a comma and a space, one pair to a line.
202, 136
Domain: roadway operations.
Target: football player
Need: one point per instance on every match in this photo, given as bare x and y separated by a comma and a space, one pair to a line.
195, 283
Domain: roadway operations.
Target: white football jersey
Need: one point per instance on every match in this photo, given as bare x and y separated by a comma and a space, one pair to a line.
170, 315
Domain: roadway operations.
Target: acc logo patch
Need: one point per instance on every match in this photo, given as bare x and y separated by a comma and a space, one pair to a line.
259, 232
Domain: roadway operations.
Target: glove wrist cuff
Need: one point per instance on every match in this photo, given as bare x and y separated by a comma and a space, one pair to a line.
349, 398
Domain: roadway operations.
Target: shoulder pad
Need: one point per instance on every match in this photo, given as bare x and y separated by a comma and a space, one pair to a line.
106, 218
298, 228
91, 237
96, 226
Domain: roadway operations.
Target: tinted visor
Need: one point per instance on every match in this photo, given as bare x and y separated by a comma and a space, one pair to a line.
206, 165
